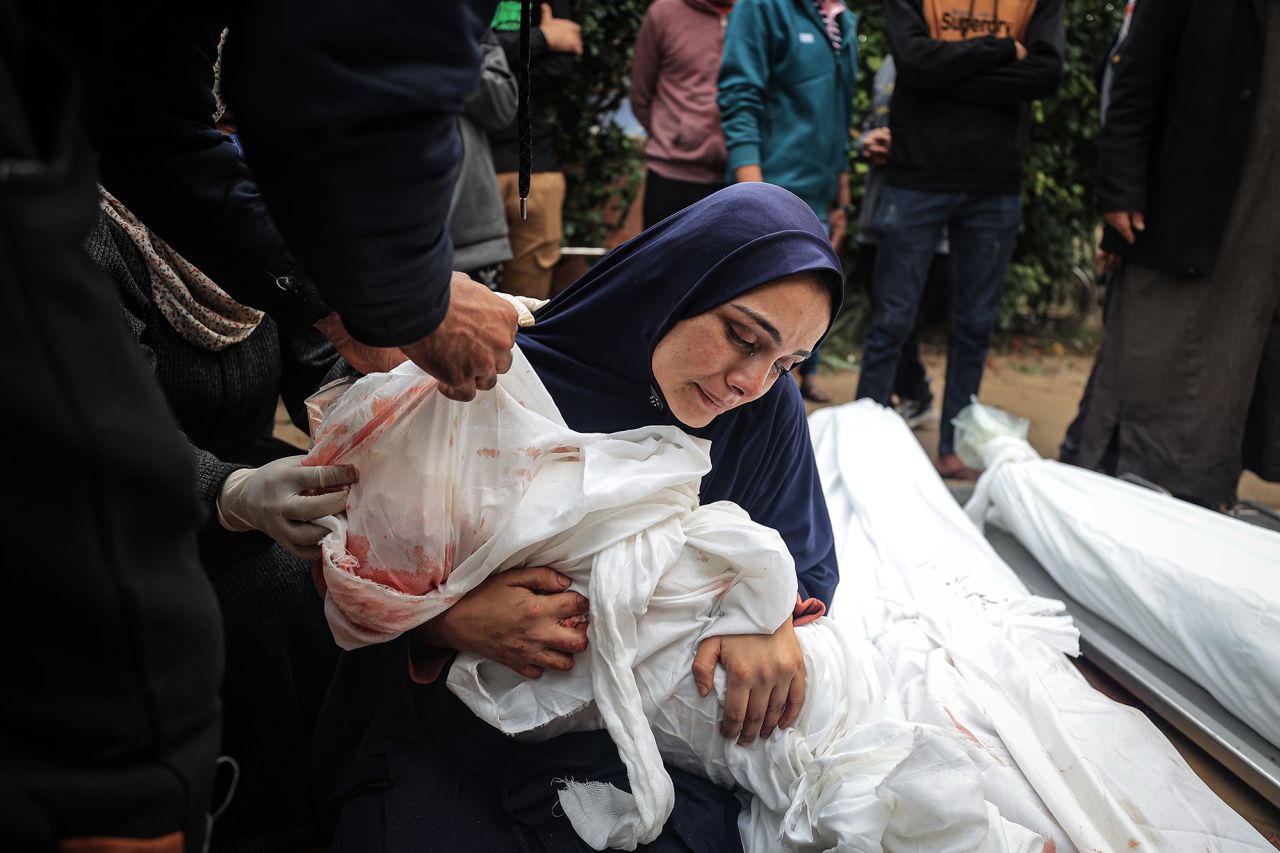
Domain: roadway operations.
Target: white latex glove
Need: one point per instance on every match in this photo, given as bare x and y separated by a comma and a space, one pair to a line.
525, 306
280, 500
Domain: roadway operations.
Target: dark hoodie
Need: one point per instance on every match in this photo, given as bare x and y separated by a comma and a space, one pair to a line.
960, 114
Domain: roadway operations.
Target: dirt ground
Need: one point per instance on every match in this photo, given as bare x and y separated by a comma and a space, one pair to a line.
1042, 386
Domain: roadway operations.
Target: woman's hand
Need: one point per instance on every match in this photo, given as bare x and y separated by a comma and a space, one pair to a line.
766, 680
522, 618
282, 499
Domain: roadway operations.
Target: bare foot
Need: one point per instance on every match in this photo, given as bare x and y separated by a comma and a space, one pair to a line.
950, 467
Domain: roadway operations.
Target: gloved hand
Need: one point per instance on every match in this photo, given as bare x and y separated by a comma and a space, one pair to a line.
280, 500
525, 306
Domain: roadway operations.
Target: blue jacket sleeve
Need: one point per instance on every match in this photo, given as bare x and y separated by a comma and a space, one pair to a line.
744, 80
347, 114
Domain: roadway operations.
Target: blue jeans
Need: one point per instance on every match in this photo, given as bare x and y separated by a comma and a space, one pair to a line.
908, 224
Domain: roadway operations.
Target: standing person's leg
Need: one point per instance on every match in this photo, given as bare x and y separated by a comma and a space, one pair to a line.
535, 241
1069, 449
664, 196
1262, 428
908, 223
983, 231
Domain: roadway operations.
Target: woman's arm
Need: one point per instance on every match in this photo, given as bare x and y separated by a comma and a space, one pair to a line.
766, 680
526, 619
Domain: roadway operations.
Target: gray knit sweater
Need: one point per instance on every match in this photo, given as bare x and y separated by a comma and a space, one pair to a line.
224, 401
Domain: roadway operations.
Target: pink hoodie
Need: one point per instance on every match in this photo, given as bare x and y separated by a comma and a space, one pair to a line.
673, 89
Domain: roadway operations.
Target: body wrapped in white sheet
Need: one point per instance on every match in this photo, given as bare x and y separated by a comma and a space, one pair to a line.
450, 493
1055, 755
1198, 589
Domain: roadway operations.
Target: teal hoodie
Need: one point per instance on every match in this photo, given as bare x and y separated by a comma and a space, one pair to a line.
786, 98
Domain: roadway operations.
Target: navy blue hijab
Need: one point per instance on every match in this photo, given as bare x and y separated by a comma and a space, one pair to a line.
593, 345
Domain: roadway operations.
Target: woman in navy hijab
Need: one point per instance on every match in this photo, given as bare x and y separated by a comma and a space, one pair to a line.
695, 322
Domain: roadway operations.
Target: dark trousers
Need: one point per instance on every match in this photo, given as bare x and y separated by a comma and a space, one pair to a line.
665, 196
911, 381
982, 228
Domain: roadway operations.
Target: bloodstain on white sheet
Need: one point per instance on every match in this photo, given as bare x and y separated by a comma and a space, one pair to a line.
488, 452
384, 411
426, 574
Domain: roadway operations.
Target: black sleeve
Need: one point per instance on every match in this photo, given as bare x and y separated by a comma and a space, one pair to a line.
307, 361
149, 109
1137, 94
926, 63
1036, 75
347, 113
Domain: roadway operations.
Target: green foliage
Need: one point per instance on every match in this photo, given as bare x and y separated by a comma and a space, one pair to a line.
1058, 221
603, 166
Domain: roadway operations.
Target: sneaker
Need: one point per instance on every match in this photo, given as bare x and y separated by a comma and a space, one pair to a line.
917, 413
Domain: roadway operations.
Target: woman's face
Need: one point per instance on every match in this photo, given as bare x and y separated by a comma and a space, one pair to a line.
732, 354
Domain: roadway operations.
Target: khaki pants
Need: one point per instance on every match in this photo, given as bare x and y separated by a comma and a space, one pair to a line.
535, 242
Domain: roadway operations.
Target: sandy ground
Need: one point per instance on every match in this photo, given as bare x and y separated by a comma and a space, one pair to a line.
1044, 387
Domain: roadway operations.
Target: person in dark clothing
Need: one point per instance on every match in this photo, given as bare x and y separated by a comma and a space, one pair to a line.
911, 382
222, 381
555, 42
303, 110
1188, 377
111, 719
111, 651
960, 120
1106, 264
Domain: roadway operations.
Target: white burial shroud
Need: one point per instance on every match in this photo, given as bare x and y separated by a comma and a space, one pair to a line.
1198, 589
1056, 755
450, 493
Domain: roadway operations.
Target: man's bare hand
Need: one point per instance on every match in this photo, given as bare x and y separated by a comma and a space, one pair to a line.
364, 358
1020, 50
1126, 223
876, 144
473, 345
562, 35
1105, 262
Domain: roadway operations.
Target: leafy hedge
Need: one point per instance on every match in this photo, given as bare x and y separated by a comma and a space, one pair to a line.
604, 167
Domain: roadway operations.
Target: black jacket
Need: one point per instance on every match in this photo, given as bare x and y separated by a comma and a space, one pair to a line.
547, 75
149, 105
348, 120
111, 648
960, 116
1177, 128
